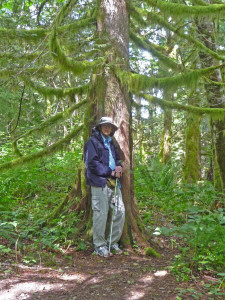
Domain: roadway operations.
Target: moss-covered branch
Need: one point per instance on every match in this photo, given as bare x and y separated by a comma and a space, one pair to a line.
77, 25
158, 20
138, 83
148, 46
37, 34
20, 57
45, 152
66, 63
59, 92
66, 8
10, 72
215, 113
25, 34
175, 9
57, 118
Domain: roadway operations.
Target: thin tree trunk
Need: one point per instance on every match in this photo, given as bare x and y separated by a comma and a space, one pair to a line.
165, 151
192, 137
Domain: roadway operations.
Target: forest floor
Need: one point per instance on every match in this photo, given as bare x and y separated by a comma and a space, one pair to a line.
80, 275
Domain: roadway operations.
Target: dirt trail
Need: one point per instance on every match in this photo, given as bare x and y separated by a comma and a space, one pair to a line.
84, 276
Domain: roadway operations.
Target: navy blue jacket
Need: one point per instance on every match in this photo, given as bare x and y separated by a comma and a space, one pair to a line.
96, 158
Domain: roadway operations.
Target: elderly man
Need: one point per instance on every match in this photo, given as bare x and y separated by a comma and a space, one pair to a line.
103, 170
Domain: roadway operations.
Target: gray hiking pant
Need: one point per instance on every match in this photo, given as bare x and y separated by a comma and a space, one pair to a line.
102, 202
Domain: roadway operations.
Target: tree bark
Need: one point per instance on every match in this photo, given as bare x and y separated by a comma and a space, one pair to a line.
165, 149
216, 99
110, 98
192, 138
114, 24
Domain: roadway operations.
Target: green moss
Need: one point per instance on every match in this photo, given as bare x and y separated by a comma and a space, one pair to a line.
78, 24
59, 92
25, 34
4, 73
54, 120
45, 152
157, 19
66, 8
146, 45
151, 252
191, 168
141, 83
66, 63
184, 10
216, 113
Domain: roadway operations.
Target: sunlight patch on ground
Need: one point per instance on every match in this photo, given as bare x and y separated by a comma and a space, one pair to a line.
147, 279
94, 280
23, 290
160, 273
71, 277
136, 295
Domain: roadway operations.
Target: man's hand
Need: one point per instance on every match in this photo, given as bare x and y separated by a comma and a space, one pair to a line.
118, 172
119, 169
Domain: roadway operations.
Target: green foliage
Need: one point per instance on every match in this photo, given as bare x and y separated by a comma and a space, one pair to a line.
142, 83
146, 45
185, 10
190, 212
215, 113
151, 252
29, 194
45, 152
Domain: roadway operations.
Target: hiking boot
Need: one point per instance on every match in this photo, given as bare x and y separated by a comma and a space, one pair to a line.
102, 251
115, 249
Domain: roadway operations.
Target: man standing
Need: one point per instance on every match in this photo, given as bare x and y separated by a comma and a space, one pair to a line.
103, 170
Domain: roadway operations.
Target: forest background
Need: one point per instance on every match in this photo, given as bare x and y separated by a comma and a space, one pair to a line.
157, 68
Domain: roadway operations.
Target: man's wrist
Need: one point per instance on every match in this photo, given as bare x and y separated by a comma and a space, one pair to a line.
113, 173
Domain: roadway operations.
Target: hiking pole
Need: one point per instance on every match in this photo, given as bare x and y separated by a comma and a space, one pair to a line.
111, 225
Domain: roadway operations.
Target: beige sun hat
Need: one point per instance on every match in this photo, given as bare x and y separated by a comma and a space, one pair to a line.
107, 120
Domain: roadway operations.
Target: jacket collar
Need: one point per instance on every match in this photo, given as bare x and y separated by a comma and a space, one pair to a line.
108, 139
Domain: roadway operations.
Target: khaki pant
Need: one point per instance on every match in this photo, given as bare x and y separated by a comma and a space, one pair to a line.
102, 202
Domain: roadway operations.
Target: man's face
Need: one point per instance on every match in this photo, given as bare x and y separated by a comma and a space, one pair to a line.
106, 129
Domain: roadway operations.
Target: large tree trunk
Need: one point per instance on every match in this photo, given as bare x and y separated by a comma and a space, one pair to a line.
109, 98
114, 23
216, 99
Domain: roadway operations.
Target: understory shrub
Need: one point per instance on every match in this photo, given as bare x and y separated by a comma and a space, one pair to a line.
193, 214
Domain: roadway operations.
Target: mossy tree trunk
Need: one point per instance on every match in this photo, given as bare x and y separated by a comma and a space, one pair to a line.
110, 98
192, 138
165, 149
216, 99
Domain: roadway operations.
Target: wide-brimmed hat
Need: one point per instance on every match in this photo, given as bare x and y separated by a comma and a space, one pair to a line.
107, 120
